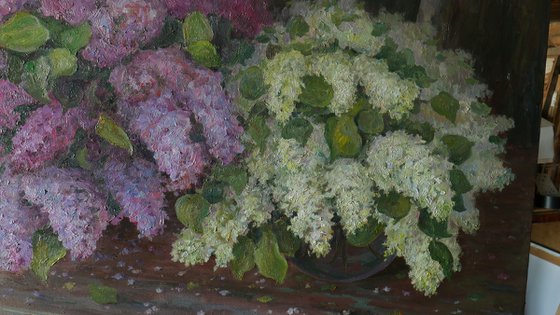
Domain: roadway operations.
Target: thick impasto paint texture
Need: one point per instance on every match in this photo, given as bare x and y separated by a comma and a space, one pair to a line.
271, 137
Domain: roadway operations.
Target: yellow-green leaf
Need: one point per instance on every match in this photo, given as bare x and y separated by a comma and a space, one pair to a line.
110, 131
196, 27
102, 294
23, 32
363, 236
63, 62
270, 262
204, 53
446, 105
244, 259
191, 211
47, 251
394, 205
343, 137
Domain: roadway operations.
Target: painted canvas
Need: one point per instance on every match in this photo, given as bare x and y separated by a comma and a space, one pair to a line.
226, 156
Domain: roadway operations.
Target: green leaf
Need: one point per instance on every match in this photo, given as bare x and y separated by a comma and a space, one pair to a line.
305, 48
480, 109
47, 251
424, 130
379, 28
317, 92
102, 295
82, 159
63, 62
244, 258
15, 68
196, 28
446, 105
74, 38
459, 203
363, 236
299, 129
270, 262
110, 131
238, 52
233, 175
394, 205
497, 140
265, 299
35, 78
213, 191
23, 32
361, 104
259, 131
288, 243
459, 148
431, 226
343, 137
297, 26
113, 207
440, 253
459, 181
370, 122
339, 16
191, 210
251, 84
417, 74
204, 53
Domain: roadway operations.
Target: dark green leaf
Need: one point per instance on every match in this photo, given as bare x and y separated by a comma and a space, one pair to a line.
15, 68
259, 131
204, 53
299, 129
317, 92
440, 253
233, 175
446, 105
342, 137
113, 206
424, 130
47, 251
370, 122
361, 104
431, 226
363, 236
459, 203
496, 140
35, 78
272, 50
213, 191
394, 205
102, 295
417, 74
297, 26
244, 258
305, 48
251, 84
379, 28
191, 211
196, 28
110, 131
23, 32
458, 147
288, 243
339, 16
270, 262
459, 181
172, 33
222, 30
480, 108
238, 52
63, 62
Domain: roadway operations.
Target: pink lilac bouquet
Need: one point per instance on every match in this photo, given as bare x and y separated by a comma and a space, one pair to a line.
100, 118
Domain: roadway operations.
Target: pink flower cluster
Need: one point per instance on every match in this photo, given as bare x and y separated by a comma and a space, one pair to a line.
159, 90
137, 187
75, 206
247, 16
120, 27
8, 7
47, 133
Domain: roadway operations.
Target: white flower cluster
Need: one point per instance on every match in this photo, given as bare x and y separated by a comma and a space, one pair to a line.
401, 162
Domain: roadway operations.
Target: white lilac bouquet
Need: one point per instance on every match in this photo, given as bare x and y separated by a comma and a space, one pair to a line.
357, 120
105, 107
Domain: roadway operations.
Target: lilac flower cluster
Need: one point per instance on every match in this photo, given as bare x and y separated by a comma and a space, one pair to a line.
137, 187
248, 17
72, 11
76, 208
11, 96
8, 7
158, 91
120, 27
17, 224
47, 133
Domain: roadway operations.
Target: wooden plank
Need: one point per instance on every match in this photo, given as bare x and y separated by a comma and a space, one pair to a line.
545, 255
